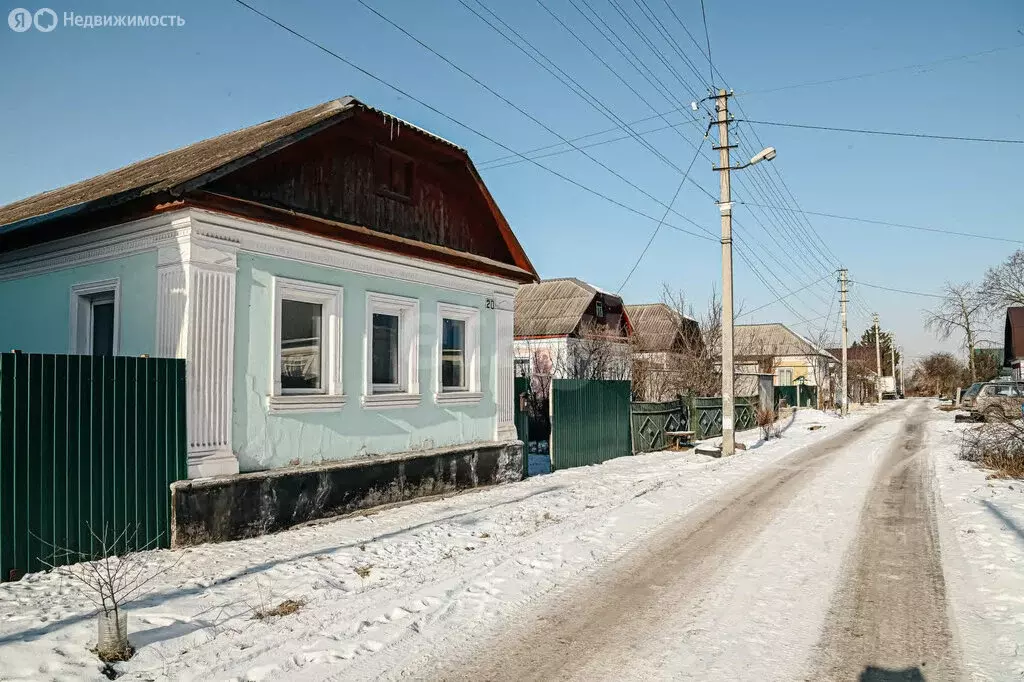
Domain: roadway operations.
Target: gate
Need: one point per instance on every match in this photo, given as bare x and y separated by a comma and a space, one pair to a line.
808, 396
650, 421
589, 421
86, 443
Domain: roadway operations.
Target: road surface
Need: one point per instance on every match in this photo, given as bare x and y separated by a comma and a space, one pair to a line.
826, 567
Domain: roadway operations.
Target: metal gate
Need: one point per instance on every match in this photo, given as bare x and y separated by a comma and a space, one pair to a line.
650, 421
589, 421
86, 443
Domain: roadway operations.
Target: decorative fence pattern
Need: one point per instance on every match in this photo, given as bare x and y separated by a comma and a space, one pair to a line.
86, 443
703, 416
589, 421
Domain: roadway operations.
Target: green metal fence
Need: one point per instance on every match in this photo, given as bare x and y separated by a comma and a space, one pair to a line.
808, 396
589, 421
708, 420
522, 418
86, 444
650, 421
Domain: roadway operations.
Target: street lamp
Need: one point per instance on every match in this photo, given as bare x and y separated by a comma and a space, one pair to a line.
725, 207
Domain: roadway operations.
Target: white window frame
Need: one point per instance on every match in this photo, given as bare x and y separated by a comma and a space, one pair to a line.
789, 370
330, 396
407, 392
79, 304
472, 393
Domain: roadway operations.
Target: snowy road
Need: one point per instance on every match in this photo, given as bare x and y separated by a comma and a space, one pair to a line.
813, 557
738, 588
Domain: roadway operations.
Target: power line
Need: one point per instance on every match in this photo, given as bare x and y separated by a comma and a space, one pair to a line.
890, 133
883, 72
899, 291
886, 223
467, 126
784, 296
660, 222
707, 37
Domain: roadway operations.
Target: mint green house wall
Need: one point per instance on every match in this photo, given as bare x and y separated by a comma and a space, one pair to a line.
35, 310
264, 441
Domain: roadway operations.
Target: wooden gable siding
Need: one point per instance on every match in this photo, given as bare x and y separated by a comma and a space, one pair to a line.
333, 175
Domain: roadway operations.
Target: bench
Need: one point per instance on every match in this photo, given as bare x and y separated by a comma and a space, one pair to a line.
681, 438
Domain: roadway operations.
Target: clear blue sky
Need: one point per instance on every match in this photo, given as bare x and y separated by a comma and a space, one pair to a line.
76, 102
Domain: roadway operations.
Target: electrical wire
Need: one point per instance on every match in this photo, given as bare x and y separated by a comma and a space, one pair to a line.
784, 296
891, 133
707, 37
899, 291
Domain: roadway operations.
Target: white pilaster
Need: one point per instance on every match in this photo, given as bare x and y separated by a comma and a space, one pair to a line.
196, 321
504, 388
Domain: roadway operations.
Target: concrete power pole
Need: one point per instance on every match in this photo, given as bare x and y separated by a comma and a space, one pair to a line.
844, 402
725, 207
892, 355
903, 376
878, 361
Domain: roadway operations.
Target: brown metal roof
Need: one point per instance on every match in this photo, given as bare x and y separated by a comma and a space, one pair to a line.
657, 326
552, 307
772, 339
1014, 347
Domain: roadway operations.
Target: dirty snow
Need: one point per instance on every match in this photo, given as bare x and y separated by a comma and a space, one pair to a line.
383, 589
982, 534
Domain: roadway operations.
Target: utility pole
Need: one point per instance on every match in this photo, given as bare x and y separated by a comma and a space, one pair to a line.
892, 354
844, 401
725, 207
903, 376
878, 361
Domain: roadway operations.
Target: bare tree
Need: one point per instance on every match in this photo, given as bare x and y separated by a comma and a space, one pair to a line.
596, 353
692, 367
961, 310
936, 374
1003, 285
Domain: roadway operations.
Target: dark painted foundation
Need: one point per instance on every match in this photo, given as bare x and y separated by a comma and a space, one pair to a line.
251, 504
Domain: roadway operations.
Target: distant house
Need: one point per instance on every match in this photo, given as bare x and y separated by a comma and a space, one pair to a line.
1013, 347
566, 328
664, 344
862, 371
776, 349
339, 281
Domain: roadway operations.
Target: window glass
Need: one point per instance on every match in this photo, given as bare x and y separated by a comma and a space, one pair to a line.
385, 350
522, 367
301, 330
103, 326
988, 391
453, 354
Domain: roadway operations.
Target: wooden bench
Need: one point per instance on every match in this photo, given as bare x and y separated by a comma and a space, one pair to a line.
681, 438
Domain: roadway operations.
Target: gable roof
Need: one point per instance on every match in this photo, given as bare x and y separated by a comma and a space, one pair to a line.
772, 339
174, 173
857, 353
553, 307
657, 326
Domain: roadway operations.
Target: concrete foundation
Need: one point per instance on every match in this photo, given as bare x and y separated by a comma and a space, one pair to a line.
251, 504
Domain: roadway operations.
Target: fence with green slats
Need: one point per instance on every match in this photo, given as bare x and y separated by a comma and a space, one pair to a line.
87, 445
589, 421
808, 396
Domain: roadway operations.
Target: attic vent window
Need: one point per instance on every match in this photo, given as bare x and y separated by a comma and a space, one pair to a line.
600, 309
393, 174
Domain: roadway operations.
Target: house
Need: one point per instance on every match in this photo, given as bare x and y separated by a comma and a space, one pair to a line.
339, 281
1013, 348
862, 371
566, 328
776, 349
666, 347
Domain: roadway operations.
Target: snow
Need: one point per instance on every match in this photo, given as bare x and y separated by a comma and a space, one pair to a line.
982, 534
435, 573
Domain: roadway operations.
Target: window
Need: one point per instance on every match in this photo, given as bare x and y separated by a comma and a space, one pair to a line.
599, 309
458, 354
391, 355
785, 376
988, 391
393, 174
306, 374
522, 367
95, 318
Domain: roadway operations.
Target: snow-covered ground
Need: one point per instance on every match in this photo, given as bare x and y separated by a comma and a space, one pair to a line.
982, 534
383, 588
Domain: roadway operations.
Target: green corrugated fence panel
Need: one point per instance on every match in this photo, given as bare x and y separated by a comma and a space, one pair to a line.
590, 421
86, 445
808, 396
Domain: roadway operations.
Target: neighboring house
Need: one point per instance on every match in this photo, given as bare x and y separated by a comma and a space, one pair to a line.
776, 349
340, 283
665, 345
862, 371
1013, 350
566, 328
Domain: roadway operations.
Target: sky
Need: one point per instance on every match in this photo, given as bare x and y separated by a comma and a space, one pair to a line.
75, 102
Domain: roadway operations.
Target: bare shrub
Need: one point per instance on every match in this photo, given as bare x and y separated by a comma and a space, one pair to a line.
996, 445
285, 608
766, 418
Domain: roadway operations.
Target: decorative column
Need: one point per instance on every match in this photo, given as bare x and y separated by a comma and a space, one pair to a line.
196, 321
504, 389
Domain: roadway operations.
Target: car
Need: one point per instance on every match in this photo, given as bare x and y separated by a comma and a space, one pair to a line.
969, 394
999, 400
